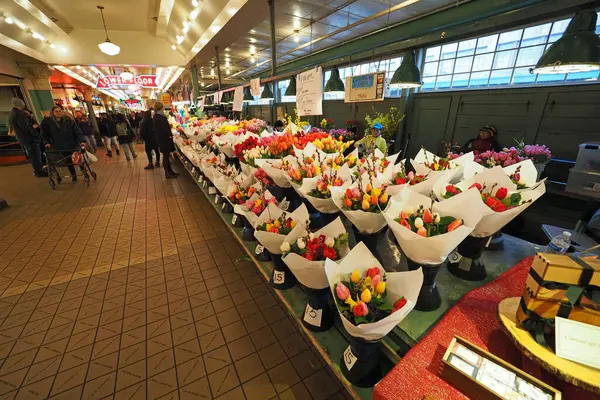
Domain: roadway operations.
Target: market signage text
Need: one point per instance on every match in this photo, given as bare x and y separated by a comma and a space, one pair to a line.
108, 81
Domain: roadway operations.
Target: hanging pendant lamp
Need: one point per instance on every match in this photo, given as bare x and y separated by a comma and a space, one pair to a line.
267, 94
334, 84
107, 47
231, 97
407, 76
248, 98
578, 50
224, 98
291, 89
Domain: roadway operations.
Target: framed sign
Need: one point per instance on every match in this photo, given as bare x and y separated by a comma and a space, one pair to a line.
367, 87
309, 92
255, 87
108, 81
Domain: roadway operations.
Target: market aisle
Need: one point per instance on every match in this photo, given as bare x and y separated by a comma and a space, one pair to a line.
132, 288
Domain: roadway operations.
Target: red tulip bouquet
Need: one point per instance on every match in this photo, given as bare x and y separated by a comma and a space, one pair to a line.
318, 190
305, 253
370, 301
274, 225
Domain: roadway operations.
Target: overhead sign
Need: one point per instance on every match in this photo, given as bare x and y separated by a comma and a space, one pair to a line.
255, 87
165, 98
309, 92
238, 98
367, 87
108, 81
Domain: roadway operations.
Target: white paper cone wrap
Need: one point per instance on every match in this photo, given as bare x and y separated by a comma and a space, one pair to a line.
398, 284
326, 206
471, 169
435, 249
248, 169
273, 241
309, 150
278, 175
312, 273
528, 174
365, 222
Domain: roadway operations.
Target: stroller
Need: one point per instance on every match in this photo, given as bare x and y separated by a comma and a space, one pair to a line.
76, 158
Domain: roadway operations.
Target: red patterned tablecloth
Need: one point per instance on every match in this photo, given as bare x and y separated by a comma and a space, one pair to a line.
475, 318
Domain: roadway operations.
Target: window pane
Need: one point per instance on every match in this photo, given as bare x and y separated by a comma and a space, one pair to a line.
466, 48
522, 76
550, 78
374, 67
558, 28
430, 69
364, 69
529, 55
582, 76
327, 76
446, 67
463, 65
509, 40
505, 59
535, 35
483, 62
449, 50
460, 80
501, 77
428, 83
486, 44
443, 82
394, 64
479, 79
432, 54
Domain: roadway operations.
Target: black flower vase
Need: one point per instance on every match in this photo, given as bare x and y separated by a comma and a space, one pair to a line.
497, 242
226, 206
429, 296
361, 361
248, 233
239, 222
277, 192
281, 278
318, 315
370, 240
466, 261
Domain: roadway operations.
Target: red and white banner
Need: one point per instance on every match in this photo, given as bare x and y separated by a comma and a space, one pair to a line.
108, 81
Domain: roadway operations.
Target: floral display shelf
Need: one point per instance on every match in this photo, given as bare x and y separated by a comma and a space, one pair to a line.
332, 343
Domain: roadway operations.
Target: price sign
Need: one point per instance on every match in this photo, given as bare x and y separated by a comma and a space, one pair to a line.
349, 358
234, 219
223, 205
284, 205
193, 169
278, 277
465, 264
200, 179
259, 250
489, 241
216, 199
313, 316
212, 190
204, 184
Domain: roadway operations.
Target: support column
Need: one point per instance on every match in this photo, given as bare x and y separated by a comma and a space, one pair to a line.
218, 67
87, 99
273, 57
195, 91
39, 90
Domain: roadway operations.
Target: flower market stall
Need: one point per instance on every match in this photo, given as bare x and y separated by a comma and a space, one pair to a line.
313, 215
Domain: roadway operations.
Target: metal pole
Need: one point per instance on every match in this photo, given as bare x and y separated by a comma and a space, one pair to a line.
218, 67
273, 57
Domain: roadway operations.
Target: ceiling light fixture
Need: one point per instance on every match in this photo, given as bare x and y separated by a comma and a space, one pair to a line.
267, 94
20, 24
180, 39
334, 84
126, 75
578, 50
247, 95
185, 29
195, 3
194, 13
173, 47
9, 20
215, 28
52, 46
107, 47
407, 76
291, 89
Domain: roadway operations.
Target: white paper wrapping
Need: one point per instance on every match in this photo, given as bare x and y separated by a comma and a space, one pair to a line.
424, 187
278, 175
398, 284
365, 222
434, 250
312, 273
471, 169
528, 174
240, 209
326, 206
273, 241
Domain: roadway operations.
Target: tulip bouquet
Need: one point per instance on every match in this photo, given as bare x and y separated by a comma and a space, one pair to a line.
274, 225
254, 125
309, 139
261, 176
240, 195
277, 169
418, 182
330, 145
427, 223
316, 247
254, 206
370, 301
504, 158
281, 146
374, 164
306, 167
321, 189
339, 160
523, 174
318, 190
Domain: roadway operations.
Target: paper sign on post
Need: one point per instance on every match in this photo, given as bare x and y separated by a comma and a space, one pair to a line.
238, 98
278, 277
309, 92
255, 87
349, 358
313, 316
578, 342
259, 249
234, 219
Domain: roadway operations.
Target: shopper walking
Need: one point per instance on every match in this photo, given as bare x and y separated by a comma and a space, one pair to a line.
165, 138
125, 135
62, 134
87, 129
111, 138
26, 134
148, 135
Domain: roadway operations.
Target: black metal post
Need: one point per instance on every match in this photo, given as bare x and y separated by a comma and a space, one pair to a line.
218, 66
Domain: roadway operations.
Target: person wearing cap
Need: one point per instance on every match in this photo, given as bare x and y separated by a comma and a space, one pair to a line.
485, 141
27, 136
374, 139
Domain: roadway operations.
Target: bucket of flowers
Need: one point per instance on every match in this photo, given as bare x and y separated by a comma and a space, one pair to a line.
340, 160
305, 167
271, 229
251, 210
420, 183
376, 164
523, 174
452, 165
428, 232
500, 203
370, 303
305, 254
361, 203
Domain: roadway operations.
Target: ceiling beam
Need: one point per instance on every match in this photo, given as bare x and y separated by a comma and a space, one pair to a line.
48, 16
165, 8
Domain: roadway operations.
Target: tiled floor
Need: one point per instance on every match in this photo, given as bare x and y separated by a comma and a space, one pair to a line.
132, 288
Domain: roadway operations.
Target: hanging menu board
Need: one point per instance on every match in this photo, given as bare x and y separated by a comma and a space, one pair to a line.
309, 92
255, 87
238, 98
367, 87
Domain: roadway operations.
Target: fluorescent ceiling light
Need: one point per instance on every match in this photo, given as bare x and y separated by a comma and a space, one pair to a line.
109, 48
194, 13
195, 3
20, 24
215, 28
173, 47
8, 20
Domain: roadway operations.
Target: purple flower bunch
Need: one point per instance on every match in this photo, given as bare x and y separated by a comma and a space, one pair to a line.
503, 158
340, 132
538, 153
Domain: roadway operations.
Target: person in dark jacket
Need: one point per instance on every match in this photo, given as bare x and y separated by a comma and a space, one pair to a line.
62, 134
165, 138
148, 135
111, 135
27, 136
125, 135
88, 131
484, 141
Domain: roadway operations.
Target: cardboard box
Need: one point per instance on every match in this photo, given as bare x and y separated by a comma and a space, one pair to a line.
566, 269
548, 309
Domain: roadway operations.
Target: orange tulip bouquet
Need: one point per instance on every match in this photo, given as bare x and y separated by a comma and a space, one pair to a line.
370, 303
428, 232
